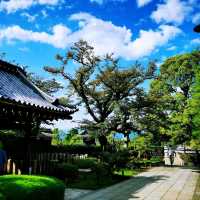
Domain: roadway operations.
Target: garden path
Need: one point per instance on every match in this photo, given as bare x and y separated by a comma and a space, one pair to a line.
160, 183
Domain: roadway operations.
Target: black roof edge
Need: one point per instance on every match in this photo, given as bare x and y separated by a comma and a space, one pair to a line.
11, 67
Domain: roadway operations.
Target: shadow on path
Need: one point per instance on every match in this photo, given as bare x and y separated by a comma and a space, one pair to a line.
125, 190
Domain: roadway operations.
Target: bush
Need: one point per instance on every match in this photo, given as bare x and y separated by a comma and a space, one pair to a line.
156, 160
191, 159
101, 170
67, 171
2, 197
85, 163
25, 187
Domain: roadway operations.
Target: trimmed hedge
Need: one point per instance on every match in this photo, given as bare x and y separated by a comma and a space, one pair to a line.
66, 171
23, 187
85, 163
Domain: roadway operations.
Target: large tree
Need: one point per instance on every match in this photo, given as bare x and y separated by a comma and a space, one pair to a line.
49, 86
100, 82
193, 110
173, 92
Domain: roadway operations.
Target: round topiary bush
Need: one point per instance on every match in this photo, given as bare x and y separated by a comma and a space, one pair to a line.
23, 187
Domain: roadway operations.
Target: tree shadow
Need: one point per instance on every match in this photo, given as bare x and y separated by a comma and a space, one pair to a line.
125, 190
139, 183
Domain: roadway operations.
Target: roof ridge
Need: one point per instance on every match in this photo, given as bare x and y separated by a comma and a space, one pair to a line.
11, 67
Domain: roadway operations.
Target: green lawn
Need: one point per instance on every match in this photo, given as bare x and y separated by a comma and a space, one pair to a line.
89, 181
25, 187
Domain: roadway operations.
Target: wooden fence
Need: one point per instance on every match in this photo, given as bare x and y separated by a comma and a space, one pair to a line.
38, 163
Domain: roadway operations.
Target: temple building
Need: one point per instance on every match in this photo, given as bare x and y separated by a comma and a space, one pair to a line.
24, 106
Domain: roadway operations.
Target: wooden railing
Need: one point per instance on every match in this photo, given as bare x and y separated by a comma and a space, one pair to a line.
38, 163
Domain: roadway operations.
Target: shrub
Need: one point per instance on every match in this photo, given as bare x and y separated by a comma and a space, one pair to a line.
156, 160
191, 159
25, 187
67, 171
116, 160
101, 170
122, 158
85, 163
2, 197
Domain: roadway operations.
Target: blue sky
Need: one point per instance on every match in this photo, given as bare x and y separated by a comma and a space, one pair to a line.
33, 31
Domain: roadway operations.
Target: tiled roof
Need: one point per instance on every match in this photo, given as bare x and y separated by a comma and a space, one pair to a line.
15, 87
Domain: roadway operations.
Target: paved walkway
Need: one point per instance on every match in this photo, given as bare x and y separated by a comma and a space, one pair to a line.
158, 183
71, 194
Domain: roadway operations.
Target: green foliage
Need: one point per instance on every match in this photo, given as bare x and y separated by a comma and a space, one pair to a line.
101, 170
72, 137
2, 197
85, 163
101, 84
142, 144
191, 159
56, 140
31, 187
117, 160
1, 145
90, 181
67, 171
49, 86
172, 91
194, 111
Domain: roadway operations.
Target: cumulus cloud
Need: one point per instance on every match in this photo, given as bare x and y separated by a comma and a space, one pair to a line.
196, 41
11, 6
57, 38
100, 2
141, 3
174, 11
104, 36
196, 18
30, 18
172, 48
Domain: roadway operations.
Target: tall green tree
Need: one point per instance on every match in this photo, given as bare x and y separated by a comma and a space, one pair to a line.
100, 82
194, 111
173, 91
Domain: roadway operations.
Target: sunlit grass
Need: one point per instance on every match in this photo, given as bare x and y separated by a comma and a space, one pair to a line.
126, 172
23, 187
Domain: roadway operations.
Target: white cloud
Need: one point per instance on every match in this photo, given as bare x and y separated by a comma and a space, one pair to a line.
30, 18
196, 41
196, 18
44, 13
172, 48
13, 5
149, 40
48, 2
174, 11
100, 2
104, 36
24, 49
57, 39
141, 3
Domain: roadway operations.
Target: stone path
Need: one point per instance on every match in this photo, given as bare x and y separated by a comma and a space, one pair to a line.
71, 194
161, 183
